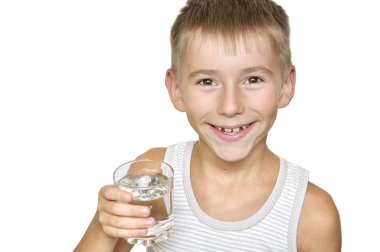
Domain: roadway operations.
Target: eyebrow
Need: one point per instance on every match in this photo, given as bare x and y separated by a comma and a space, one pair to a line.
257, 69
244, 71
202, 71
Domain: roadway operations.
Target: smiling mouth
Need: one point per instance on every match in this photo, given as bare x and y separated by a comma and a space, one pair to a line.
232, 131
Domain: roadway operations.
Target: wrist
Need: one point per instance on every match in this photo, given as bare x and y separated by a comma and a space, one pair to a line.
95, 239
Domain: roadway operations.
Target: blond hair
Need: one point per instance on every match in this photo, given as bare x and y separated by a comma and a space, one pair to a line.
231, 20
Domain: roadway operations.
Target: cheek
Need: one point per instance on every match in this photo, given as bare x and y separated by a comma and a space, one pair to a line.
197, 108
198, 102
265, 104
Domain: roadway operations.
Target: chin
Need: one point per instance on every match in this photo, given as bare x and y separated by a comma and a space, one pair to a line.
231, 154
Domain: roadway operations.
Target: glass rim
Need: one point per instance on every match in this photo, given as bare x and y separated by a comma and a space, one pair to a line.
140, 160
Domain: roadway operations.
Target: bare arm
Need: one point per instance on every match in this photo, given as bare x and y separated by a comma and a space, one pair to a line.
116, 218
96, 240
319, 227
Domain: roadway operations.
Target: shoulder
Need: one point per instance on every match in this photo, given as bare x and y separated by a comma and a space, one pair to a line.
153, 153
319, 226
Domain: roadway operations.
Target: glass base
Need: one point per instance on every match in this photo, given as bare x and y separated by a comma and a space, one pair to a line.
148, 241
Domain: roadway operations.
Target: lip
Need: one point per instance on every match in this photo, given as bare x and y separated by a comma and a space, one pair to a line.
228, 137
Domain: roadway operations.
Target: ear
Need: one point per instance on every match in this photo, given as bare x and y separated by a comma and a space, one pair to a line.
174, 90
288, 88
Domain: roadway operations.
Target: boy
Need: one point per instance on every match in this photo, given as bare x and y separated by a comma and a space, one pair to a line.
231, 71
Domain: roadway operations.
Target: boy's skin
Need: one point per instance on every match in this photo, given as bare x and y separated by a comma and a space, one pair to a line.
220, 89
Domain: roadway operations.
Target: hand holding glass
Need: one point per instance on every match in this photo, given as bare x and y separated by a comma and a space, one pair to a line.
151, 184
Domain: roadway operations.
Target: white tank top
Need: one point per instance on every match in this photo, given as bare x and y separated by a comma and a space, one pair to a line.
272, 228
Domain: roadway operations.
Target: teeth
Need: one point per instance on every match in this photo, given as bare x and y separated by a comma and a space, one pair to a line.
228, 130
234, 131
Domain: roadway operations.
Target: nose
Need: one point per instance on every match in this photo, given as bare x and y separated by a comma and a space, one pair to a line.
231, 101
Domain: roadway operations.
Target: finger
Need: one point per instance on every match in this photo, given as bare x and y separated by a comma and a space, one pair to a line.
123, 209
111, 192
125, 222
144, 166
124, 233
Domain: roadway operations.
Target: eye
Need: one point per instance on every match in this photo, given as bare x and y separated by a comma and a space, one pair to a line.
253, 80
206, 82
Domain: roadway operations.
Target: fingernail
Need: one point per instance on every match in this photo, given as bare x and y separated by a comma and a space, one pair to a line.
150, 222
142, 232
127, 197
145, 211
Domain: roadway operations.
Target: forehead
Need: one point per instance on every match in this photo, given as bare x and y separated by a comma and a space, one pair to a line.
214, 49
247, 43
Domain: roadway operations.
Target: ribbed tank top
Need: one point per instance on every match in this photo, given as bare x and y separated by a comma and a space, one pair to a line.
272, 228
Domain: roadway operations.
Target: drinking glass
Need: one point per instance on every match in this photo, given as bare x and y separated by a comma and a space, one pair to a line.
151, 184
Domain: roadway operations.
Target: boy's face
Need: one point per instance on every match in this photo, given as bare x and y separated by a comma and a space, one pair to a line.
231, 99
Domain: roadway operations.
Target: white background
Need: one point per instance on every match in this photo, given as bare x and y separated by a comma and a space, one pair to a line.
82, 91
